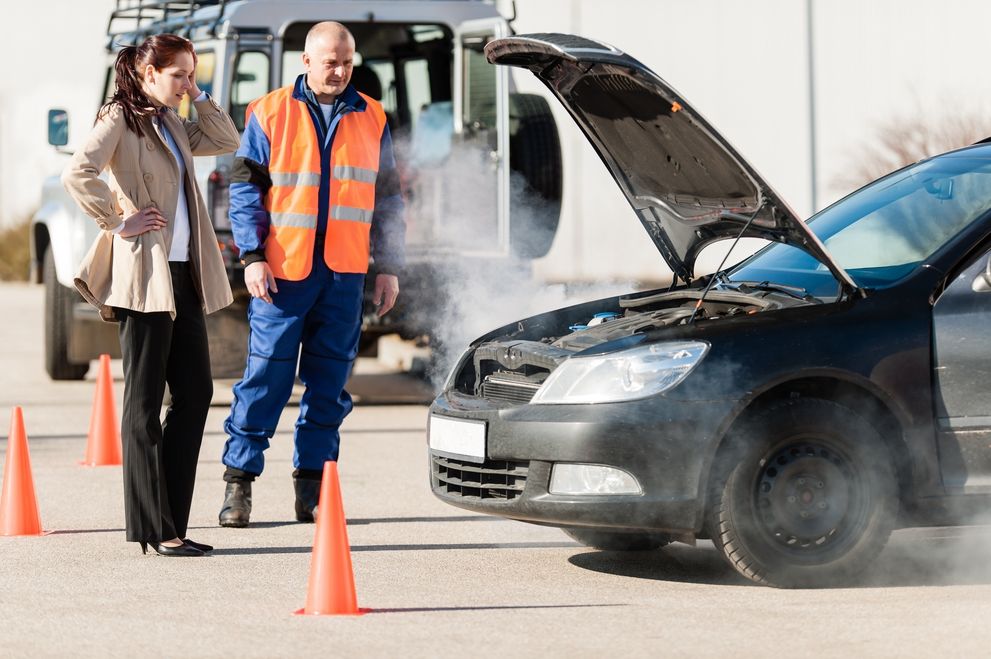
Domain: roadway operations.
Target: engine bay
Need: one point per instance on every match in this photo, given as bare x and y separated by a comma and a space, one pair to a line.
512, 365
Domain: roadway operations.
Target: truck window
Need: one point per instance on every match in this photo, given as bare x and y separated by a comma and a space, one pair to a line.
480, 89
206, 63
251, 81
405, 66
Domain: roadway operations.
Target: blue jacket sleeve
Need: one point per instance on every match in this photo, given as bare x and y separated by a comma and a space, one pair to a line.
388, 231
250, 182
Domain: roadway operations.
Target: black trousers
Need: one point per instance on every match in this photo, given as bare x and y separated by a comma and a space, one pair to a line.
160, 457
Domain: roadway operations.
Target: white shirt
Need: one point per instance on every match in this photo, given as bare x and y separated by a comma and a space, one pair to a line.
180, 224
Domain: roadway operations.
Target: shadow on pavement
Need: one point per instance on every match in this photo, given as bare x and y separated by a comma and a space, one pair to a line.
673, 563
953, 556
241, 551
432, 609
449, 518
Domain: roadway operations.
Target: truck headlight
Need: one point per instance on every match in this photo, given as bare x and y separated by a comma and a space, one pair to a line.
626, 375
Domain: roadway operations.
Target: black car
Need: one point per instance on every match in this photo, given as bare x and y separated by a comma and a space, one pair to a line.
794, 408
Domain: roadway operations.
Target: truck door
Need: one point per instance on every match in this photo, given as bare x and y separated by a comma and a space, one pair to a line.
962, 363
462, 203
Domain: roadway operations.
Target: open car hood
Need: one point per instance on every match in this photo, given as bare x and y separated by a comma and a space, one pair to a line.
687, 184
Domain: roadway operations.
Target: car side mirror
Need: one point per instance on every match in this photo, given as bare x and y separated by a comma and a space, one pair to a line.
982, 282
941, 188
58, 127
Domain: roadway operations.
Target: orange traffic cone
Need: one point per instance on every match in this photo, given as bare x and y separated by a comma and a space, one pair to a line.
331, 589
103, 442
18, 505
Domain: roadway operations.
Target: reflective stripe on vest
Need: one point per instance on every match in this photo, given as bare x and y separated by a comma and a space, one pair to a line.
293, 201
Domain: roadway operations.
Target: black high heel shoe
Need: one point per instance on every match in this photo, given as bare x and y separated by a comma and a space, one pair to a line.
165, 550
198, 545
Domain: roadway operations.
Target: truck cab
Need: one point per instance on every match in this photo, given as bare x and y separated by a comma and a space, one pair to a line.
480, 163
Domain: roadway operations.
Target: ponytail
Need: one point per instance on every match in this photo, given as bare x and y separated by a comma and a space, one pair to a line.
128, 95
159, 51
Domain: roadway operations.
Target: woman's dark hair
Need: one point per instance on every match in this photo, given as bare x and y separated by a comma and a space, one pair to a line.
160, 51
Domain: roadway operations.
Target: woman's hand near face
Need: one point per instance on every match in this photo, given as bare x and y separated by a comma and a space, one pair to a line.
194, 91
143, 221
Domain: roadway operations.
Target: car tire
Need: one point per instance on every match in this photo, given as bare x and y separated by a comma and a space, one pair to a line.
809, 497
617, 540
59, 301
534, 157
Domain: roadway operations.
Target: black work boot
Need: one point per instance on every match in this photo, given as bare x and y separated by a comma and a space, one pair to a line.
237, 505
307, 498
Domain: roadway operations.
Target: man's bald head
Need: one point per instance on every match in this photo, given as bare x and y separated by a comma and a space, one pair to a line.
328, 57
330, 32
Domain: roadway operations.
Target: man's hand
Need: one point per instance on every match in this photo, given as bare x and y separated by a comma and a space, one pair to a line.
259, 280
142, 221
386, 292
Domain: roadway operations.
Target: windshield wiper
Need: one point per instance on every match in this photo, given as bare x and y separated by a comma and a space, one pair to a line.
796, 292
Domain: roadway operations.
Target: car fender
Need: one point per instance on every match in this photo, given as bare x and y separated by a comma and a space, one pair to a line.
779, 387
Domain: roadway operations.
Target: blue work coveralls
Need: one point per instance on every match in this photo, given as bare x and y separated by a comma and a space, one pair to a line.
317, 320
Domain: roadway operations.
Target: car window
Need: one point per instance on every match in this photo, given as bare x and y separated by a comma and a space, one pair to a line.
882, 232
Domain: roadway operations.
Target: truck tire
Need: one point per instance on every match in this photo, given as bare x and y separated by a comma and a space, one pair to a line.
59, 301
535, 163
617, 540
810, 497
227, 337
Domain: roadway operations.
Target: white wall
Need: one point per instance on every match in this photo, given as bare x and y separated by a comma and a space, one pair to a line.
744, 66
53, 56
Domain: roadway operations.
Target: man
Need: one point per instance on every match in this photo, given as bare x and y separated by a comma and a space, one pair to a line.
314, 194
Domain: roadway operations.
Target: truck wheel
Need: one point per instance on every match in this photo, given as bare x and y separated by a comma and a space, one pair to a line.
227, 336
59, 301
809, 499
617, 540
535, 160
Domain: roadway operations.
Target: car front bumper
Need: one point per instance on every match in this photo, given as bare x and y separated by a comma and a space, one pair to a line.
665, 444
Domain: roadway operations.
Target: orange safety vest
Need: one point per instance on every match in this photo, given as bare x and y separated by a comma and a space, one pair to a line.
294, 198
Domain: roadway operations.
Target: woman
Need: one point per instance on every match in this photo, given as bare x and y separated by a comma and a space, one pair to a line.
155, 269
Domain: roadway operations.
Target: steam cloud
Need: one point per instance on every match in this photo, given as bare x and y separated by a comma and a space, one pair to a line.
474, 295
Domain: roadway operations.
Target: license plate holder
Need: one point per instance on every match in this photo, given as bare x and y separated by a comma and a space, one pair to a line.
462, 439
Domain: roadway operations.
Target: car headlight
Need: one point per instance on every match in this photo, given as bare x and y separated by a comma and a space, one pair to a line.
626, 375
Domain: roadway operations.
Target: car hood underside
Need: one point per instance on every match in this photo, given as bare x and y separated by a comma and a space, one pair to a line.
687, 184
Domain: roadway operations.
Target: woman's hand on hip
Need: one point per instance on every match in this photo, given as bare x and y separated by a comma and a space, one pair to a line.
259, 280
143, 221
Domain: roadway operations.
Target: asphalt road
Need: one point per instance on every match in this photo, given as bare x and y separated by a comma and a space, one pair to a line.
441, 582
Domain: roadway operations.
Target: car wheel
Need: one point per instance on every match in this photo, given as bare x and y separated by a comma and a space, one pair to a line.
59, 301
617, 540
809, 498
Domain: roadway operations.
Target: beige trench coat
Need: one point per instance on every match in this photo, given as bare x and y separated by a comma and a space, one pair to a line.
133, 273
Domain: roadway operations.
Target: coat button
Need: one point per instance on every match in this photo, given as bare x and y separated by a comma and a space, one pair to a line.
148, 177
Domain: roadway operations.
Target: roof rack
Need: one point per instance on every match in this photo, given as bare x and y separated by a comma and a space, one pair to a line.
133, 20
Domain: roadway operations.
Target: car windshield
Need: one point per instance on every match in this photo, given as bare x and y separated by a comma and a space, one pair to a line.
883, 231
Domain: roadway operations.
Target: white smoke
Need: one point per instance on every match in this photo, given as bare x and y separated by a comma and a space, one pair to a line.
451, 207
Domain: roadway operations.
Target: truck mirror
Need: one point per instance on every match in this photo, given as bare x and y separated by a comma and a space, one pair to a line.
58, 127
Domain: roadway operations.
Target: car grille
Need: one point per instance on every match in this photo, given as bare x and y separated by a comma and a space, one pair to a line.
508, 388
492, 479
